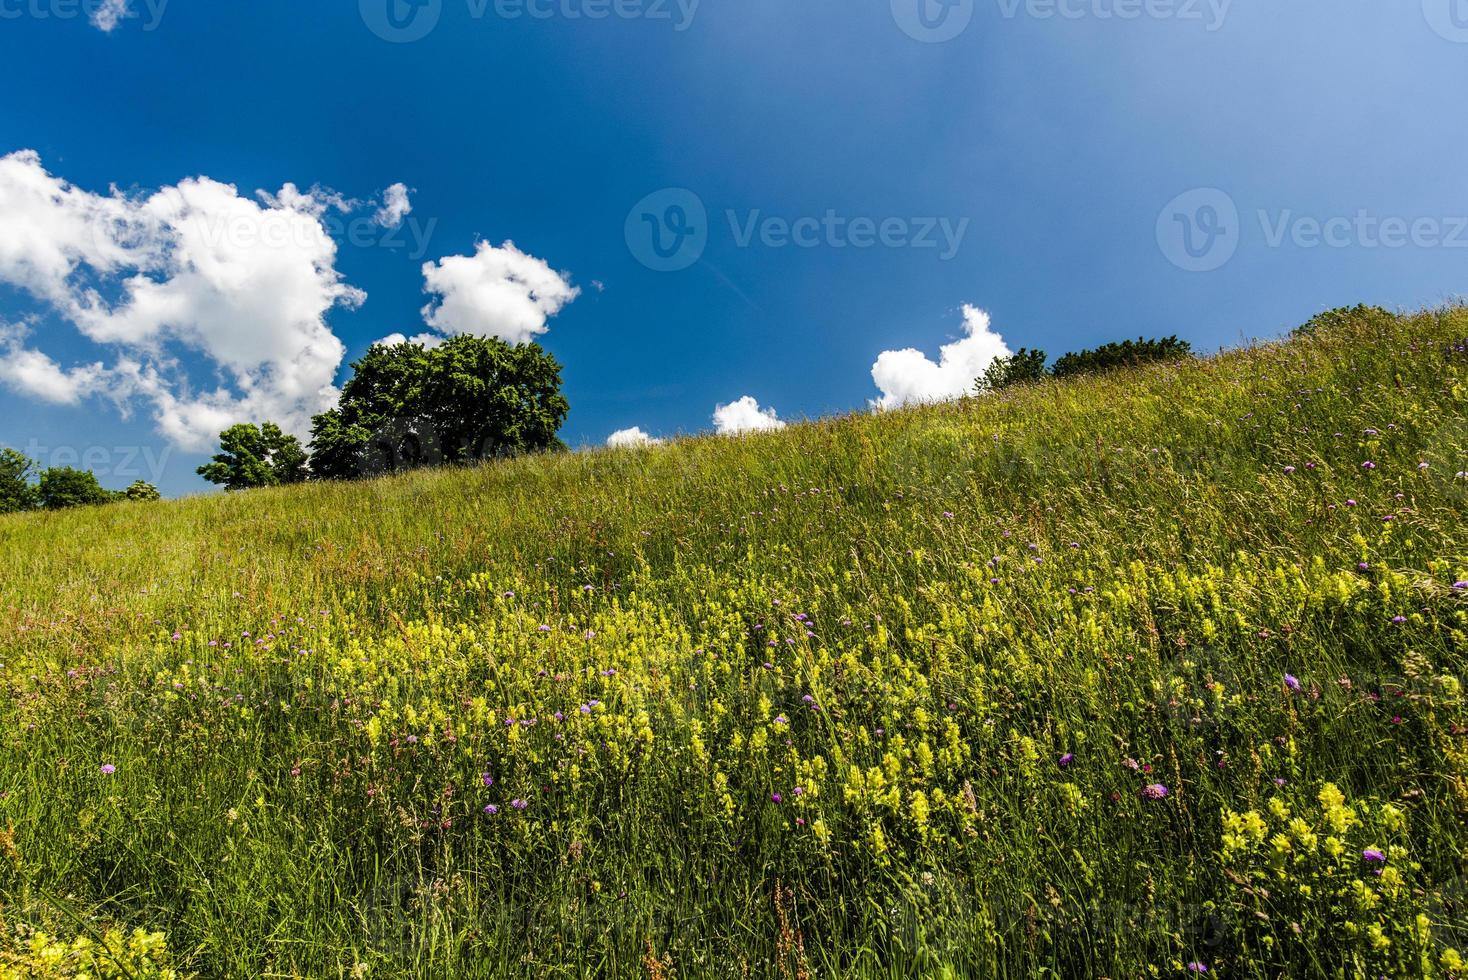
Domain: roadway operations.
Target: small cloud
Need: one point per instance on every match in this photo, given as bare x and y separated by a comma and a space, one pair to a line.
908, 377
626, 438
496, 292
428, 340
598, 285
109, 14
745, 415
395, 206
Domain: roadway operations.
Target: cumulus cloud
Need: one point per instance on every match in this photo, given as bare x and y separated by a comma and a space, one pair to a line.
108, 14
496, 292
34, 373
745, 415
243, 284
625, 438
395, 206
909, 376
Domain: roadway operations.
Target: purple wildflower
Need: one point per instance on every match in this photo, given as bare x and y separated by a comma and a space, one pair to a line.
1156, 791
1067, 759
519, 804
1373, 855
108, 769
1196, 967
1289, 471
491, 809
1292, 682
776, 798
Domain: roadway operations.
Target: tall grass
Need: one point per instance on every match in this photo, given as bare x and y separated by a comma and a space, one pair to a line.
992, 688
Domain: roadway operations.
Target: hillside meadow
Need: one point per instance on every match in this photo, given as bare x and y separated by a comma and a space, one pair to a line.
1151, 674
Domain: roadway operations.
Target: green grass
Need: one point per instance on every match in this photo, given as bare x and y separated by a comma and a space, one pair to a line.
1115, 568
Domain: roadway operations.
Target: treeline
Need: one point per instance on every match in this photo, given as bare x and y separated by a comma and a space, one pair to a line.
408, 406
1027, 366
23, 486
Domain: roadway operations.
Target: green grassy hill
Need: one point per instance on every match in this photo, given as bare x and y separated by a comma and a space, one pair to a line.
1122, 676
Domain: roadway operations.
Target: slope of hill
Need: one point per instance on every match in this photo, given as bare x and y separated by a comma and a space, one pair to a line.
1134, 675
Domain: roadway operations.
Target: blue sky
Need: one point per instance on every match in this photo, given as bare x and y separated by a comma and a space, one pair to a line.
1100, 168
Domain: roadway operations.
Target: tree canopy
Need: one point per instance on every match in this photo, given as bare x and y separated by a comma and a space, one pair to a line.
1128, 353
469, 399
62, 486
16, 490
1024, 366
256, 456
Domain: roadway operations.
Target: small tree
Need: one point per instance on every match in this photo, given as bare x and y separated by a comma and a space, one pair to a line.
253, 456
142, 492
16, 491
1128, 353
1339, 317
62, 486
1025, 366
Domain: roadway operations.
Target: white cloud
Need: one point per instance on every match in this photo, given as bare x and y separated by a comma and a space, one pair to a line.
395, 206
624, 438
744, 415
315, 202
33, 373
429, 340
246, 285
908, 376
108, 14
496, 292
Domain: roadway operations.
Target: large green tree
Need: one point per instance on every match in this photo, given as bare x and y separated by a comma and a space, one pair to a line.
253, 456
16, 490
469, 399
